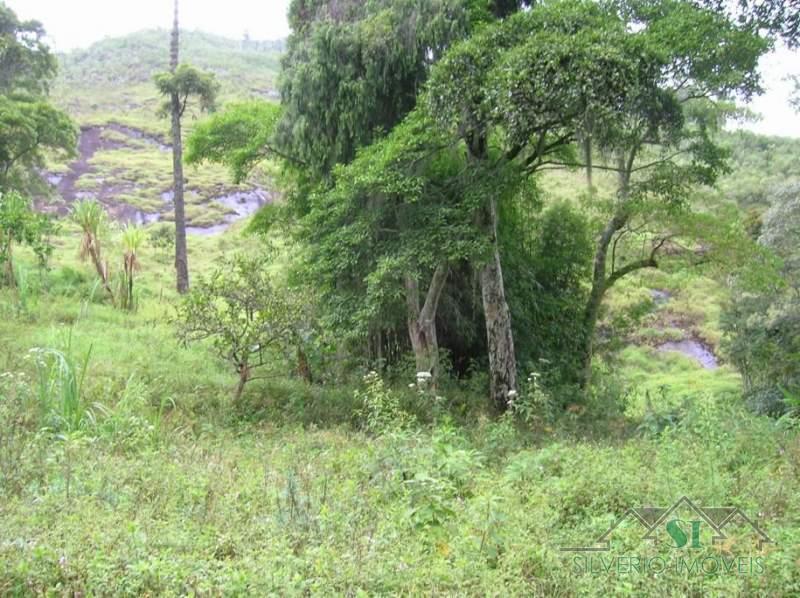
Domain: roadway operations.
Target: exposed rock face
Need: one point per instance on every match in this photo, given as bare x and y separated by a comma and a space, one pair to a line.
239, 203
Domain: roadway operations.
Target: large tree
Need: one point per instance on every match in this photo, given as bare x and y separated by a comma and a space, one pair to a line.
762, 322
352, 72
26, 63
516, 95
662, 143
182, 83
777, 17
383, 239
29, 124
353, 69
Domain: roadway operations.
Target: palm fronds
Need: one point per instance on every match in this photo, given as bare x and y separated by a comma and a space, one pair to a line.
92, 218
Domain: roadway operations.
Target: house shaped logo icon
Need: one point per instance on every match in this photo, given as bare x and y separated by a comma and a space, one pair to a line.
654, 520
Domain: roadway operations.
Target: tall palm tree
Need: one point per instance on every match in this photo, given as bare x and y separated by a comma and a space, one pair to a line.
181, 257
179, 85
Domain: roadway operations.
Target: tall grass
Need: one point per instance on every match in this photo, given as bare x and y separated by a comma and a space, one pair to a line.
59, 386
24, 290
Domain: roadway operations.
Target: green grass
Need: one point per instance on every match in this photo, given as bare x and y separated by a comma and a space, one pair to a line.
144, 478
163, 487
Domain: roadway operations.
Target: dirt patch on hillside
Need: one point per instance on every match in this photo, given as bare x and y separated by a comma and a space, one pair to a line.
239, 204
134, 133
691, 345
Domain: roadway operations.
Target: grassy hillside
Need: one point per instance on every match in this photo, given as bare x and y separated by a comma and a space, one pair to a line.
124, 154
113, 78
146, 480
126, 469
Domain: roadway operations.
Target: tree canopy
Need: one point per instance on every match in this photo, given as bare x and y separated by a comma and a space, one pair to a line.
353, 70
26, 63
29, 124
411, 150
239, 137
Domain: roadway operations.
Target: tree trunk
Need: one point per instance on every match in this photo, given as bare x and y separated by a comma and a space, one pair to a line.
130, 289
587, 156
587, 150
9, 266
589, 324
101, 268
244, 376
181, 257
303, 368
422, 321
499, 337
599, 280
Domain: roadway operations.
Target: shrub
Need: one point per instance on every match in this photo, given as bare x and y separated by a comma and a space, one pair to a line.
132, 240
248, 319
20, 224
162, 237
381, 412
766, 401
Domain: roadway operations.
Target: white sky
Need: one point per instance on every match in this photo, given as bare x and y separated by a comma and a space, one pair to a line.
78, 23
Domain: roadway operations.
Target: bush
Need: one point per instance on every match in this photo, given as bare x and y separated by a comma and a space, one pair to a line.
248, 319
162, 237
766, 401
381, 412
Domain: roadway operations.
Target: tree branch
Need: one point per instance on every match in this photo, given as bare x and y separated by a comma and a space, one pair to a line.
434, 292
648, 262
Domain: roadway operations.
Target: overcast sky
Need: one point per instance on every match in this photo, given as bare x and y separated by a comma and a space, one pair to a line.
78, 23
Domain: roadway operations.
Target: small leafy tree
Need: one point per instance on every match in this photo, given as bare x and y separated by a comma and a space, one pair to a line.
92, 219
132, 240
21, 225
29, 126
238, 137
244, 314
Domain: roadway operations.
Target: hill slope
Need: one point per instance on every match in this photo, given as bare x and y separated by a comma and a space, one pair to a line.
124, 159
115, 75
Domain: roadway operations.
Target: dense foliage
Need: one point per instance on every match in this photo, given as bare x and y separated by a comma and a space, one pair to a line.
352, 71
29, 125
510, 282
763, 323
20, 224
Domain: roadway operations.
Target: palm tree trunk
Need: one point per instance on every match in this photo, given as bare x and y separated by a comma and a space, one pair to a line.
181, 257
102, 270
